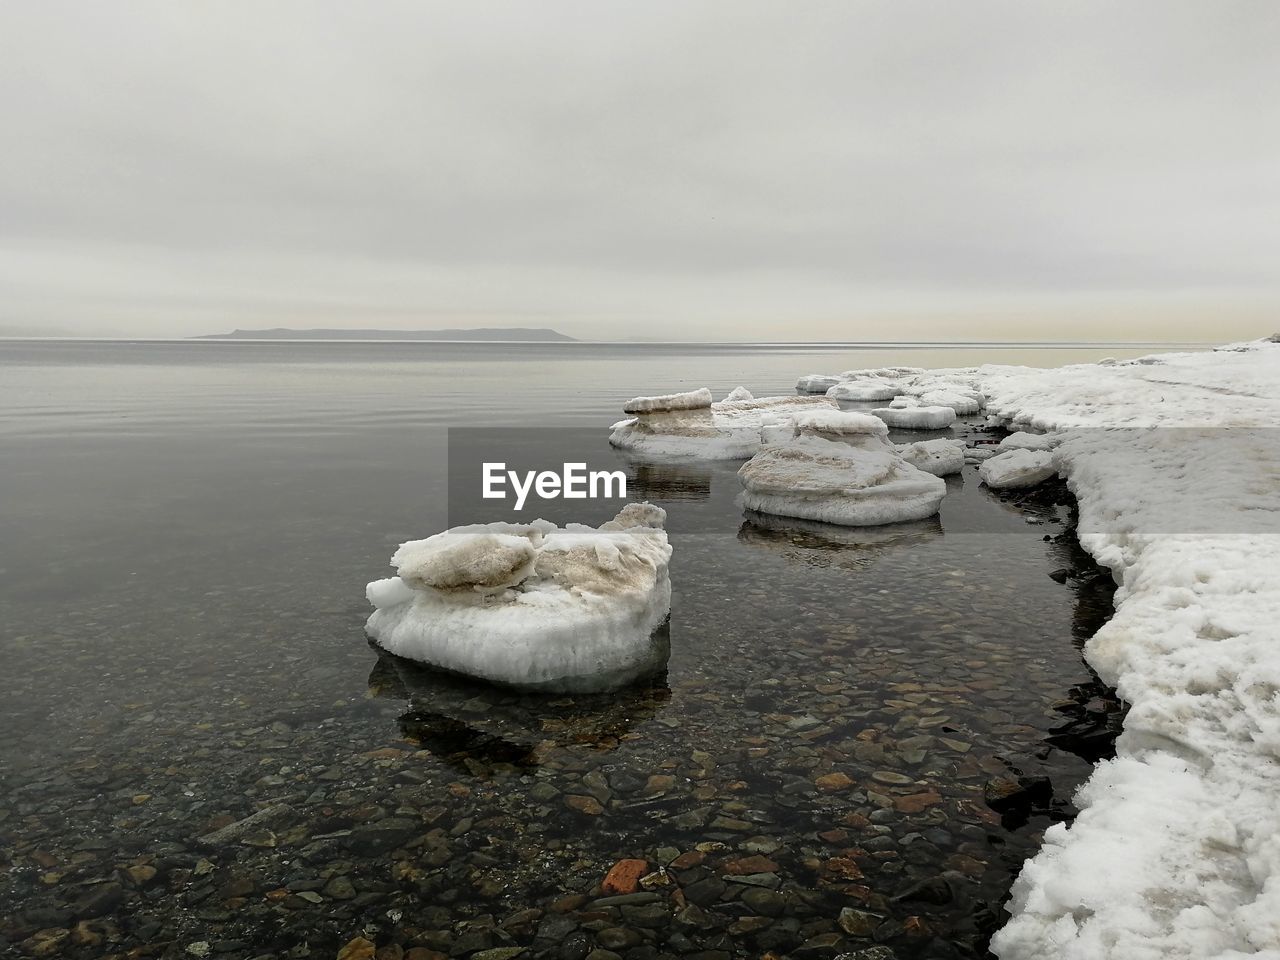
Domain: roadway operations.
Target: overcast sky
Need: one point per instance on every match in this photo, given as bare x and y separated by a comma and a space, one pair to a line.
691, 170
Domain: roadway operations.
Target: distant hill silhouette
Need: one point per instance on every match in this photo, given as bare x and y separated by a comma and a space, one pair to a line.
479, 333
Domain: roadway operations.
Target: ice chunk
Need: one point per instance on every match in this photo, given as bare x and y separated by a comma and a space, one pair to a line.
916, 418
984, 452
1017, 468
839, 424
859, 390
739, 393
939, 457
727, 430
1030, 441
962, 404
693, 400
882, 373
482, 562
900, 403
818, 479
550, 608
816, 383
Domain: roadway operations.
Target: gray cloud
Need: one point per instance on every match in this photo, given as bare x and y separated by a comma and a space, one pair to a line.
695, 169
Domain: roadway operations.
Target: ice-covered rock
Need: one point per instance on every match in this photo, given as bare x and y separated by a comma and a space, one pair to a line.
984, 452
862, 390
939, 457
729, 429
692, 400
840, 425
916, 418
840, 470
816, 383
531, 605
1017, 468
962, 404
1021, 440
902, 402
739, 393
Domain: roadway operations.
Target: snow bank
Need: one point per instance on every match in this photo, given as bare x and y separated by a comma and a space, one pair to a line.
726, 430
1176, 852
916, 418
531, 605
1017, 468
856, 480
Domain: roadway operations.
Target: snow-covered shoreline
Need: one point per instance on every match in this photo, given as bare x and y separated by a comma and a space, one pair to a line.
1176, 851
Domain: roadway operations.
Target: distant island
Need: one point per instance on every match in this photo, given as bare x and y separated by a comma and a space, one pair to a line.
479, 333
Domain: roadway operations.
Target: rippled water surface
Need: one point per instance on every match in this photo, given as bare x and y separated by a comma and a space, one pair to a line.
859, 738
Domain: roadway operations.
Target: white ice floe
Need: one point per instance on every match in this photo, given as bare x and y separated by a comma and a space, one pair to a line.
961, 403
939, 457
900, 403
839, 469
862, 390
816, 383
692, 400
916, 418
739, 393
840, 425
1175, 854
730, 429
531, 605
1030, 441
1017, 468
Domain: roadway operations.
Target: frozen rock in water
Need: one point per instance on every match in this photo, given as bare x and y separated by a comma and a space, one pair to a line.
856, 480
693, 400
916, 418
531, 605
739, 393
839, 425
978, 454
1017, 468
900, 403
939, 457
869, 389
816, 383
730, 429
962, 404
1030, 441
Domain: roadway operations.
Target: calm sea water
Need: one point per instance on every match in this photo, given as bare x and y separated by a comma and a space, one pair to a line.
185, 533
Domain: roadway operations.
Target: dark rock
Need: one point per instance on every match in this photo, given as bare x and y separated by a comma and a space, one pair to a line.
100, 899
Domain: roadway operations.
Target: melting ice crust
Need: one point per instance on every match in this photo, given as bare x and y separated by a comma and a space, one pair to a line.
535, 606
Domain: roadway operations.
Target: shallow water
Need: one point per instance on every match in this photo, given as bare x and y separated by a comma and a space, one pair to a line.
185, 532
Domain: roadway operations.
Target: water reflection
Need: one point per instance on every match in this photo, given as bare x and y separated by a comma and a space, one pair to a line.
473, 725
825, 544
686, 480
